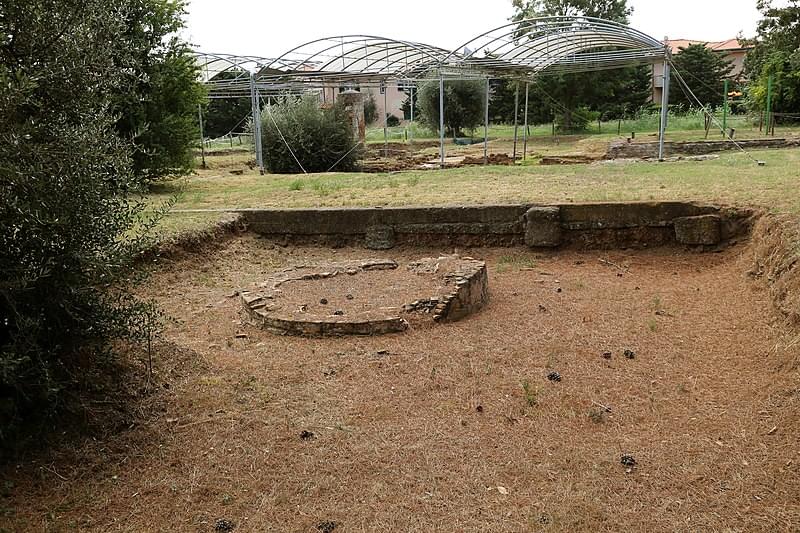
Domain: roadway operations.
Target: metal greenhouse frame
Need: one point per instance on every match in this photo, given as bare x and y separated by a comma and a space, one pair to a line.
518, 51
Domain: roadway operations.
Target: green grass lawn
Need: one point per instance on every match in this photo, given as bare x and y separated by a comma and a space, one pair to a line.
681, 127
732, 179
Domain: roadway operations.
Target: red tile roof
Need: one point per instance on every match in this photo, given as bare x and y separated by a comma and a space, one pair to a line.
720, 46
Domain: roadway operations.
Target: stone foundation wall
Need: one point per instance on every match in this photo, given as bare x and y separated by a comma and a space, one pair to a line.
649, 150
470, 294
608, 226
324, 328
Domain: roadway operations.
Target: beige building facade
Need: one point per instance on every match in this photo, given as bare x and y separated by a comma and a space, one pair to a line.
389, 98
733, 50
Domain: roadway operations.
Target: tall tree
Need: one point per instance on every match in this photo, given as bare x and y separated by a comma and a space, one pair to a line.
616, 10
776, 54
610, 92
158, 111
69, 224
705, 71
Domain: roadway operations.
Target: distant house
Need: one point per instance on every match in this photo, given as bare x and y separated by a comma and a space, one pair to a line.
394, 97
733, 50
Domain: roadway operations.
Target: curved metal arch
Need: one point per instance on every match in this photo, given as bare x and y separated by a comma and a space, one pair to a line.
383, 56
565, 50
212, 64
549, 26
389, 58
568, 52
538, 43
524, 47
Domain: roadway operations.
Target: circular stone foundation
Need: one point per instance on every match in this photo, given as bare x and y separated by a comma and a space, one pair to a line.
368, 297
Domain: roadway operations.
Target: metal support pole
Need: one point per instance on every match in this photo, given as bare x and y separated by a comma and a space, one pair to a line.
385, 120
516, 120
441, 119
202, 137
525, 130
256, 110
486, 126
725, 110
259, 145
664, 111
411, 126
769, 104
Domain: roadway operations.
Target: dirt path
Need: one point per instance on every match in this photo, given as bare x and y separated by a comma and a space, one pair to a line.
455, 427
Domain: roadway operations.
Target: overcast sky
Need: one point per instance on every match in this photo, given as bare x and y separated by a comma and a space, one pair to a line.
268, 28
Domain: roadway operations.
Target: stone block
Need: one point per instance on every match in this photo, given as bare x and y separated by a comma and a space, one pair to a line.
379, 238
603, 216
704, 229
543, 227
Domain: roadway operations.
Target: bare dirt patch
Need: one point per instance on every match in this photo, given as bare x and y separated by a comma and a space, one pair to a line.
531, 415
424, 156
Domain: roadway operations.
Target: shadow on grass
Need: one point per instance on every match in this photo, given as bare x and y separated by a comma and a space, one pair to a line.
175, 186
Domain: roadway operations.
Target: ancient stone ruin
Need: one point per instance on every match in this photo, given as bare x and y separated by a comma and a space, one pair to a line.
368, 297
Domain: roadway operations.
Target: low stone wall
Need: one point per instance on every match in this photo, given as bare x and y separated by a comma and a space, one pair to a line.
634, 225
608, 226
471, 293
383, 228
649, 150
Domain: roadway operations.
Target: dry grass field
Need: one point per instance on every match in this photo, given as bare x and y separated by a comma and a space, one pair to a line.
453, 427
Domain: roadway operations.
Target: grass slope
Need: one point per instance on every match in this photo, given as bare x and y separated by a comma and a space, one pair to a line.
731, 179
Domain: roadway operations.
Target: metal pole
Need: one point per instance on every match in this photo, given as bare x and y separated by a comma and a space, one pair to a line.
411, 126
769, 103
525, 131
202, 137
725, 109
664, 111
516, 118
256, 109
259, 145
441, 119
385, 120
254, 112
486, 127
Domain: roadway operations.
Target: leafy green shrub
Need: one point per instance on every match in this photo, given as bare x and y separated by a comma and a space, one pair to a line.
776, 54
578, 120
70, 229
464, 102
392, 121
320, 139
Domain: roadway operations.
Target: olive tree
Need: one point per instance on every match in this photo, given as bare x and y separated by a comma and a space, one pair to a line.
70, 227
464, 102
